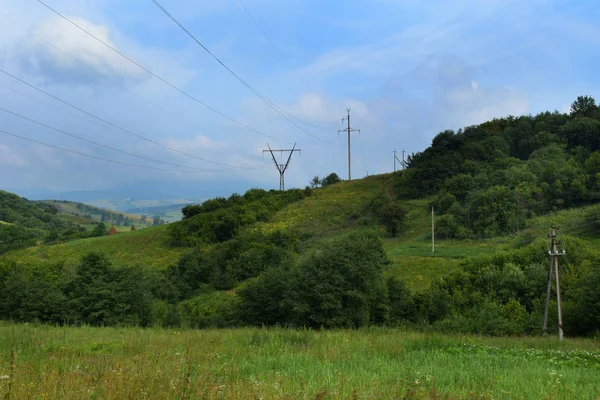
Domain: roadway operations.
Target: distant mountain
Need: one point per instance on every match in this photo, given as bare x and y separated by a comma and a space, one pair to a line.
130, 196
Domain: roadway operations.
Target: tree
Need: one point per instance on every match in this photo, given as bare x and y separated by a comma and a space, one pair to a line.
156, 221
330, 179
584, 106
392, 217
341, 285
315, 182
99, 230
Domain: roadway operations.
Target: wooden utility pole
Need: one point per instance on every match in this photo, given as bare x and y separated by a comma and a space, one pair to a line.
282, 167
348, 129
554, 254
432, 230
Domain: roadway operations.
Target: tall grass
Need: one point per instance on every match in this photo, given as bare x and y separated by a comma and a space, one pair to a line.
119, 363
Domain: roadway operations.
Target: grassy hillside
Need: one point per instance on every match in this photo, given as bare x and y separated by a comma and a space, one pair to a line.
87, 216
145, 247
328, 210
25, 222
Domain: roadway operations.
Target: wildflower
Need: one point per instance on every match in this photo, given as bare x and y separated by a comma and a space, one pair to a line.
2, 377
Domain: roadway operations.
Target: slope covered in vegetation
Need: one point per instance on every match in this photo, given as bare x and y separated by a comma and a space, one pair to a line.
25, 223
314, 257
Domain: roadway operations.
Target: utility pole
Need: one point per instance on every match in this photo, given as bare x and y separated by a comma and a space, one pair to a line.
282, 167
432, 230
349, 129
554, 254
402, 163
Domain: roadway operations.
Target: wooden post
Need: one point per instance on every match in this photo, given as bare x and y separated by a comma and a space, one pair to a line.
432, 231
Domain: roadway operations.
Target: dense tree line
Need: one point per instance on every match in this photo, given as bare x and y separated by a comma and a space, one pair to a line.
338, 284
489, 179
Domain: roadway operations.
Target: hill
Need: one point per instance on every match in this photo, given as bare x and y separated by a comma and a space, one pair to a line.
355, 253
25, 223
88, 216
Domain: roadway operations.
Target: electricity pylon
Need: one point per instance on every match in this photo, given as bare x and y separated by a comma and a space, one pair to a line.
282, 167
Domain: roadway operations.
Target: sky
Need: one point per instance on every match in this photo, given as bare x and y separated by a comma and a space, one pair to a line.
406, 69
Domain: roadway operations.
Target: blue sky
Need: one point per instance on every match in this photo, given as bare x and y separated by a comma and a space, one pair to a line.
407, 69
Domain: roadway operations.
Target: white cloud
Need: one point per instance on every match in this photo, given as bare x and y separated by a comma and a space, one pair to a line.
10, 158
320, 109
40, 59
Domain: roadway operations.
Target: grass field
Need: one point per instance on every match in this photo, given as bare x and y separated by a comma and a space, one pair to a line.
145, 247
330, 209
41, 362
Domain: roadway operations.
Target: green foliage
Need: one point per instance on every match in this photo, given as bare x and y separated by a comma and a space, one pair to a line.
209, 310
33, 294
492, 177
584, 106
219, 220
392, 216
402, 307
330, 179
100, 294
338, 285
99, 230
25, 222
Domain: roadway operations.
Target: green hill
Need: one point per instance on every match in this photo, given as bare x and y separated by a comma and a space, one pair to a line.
358, 253
25, 223
88, 216
146, 247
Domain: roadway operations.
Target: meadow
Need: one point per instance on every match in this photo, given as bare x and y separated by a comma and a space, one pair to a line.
42, 362
145, 247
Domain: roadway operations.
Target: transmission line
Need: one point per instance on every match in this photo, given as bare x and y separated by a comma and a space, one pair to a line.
113, 125
253, 90
97, 143
99, 73
262, 31
158, 77
108, 159
273, 45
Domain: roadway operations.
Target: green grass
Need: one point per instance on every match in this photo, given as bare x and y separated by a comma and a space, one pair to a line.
330, 209
42, 362
145, 247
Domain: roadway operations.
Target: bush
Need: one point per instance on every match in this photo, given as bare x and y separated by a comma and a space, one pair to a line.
338, 285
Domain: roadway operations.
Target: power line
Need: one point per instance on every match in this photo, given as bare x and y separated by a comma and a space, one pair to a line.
107, 159
57, 108
98, 72
273, 45
253, 90
262, 31
113, 125
158, 77
96, 143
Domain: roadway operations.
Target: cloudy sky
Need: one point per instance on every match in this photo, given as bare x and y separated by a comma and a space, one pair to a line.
407, 69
